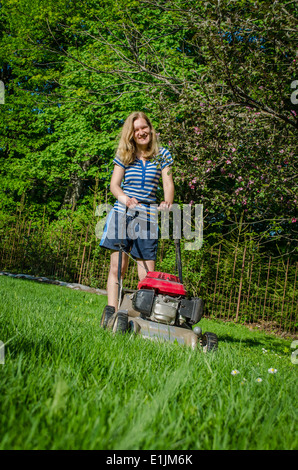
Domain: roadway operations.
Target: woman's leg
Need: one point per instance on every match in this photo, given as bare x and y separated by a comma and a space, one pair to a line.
112, 284
150, 264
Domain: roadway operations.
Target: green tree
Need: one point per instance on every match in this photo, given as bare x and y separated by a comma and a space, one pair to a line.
215, 76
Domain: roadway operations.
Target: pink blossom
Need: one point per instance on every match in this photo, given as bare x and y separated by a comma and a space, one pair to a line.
228, 162
294, 220
233, 149
191, 202
208, 161
208, 169
239, 178
281, 151
197, 130
195, 158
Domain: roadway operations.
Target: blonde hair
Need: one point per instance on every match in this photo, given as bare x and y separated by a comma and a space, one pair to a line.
127, 148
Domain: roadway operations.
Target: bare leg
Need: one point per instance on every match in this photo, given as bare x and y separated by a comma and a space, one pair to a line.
112, 284
141, 267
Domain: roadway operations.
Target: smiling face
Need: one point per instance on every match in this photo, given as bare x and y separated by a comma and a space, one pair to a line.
142, 133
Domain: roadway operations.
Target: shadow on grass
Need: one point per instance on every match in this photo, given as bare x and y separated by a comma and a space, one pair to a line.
248, 341
267, 343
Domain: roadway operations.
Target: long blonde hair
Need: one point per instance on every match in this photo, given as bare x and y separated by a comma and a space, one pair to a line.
127, 148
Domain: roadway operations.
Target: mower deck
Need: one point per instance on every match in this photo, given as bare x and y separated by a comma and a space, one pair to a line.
149, 329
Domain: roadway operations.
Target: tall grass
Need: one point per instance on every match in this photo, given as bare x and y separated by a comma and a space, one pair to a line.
67, 384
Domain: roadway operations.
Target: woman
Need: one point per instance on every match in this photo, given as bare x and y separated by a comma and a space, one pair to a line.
140, 162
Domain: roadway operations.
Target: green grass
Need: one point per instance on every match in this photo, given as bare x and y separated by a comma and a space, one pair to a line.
67, 384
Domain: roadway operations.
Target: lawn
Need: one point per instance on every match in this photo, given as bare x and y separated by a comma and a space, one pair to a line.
67, 384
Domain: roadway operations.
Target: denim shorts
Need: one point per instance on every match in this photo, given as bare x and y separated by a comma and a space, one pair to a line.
139, 237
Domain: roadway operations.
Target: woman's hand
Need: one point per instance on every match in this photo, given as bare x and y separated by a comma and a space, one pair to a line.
164, 205
131, 202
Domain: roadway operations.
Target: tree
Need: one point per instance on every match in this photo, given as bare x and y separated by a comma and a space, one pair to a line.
215, 76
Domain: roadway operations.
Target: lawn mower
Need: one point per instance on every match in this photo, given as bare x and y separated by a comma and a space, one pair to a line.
159, 309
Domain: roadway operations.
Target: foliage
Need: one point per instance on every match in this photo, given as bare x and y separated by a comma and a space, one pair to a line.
214, 77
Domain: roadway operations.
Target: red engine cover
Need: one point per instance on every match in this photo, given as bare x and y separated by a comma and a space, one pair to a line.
162, 283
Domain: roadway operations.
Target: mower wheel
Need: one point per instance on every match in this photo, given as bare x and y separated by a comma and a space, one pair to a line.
106, 315
121, 323
209, 342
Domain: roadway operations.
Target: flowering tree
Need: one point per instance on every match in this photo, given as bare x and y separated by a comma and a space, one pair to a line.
225, 108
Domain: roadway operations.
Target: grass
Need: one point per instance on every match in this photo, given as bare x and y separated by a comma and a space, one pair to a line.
67, 384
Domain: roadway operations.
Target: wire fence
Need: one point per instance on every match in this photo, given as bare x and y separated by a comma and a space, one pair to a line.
236, 285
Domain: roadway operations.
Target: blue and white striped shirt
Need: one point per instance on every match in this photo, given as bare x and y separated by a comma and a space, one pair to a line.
141, 179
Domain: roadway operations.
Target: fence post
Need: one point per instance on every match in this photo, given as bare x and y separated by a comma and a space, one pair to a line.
249, 283
223, 286
284, 292
275, 288
216, 273
83, 256
268, 274
240, 286
292, 306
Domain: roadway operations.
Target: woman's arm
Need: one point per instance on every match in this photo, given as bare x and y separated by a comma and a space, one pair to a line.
115, 187
168, 188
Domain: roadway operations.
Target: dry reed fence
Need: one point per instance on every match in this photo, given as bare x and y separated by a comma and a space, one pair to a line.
238, 286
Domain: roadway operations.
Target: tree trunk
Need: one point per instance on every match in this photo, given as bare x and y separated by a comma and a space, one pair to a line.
75, 187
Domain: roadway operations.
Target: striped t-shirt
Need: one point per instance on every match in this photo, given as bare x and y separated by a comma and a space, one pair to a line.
141, 180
